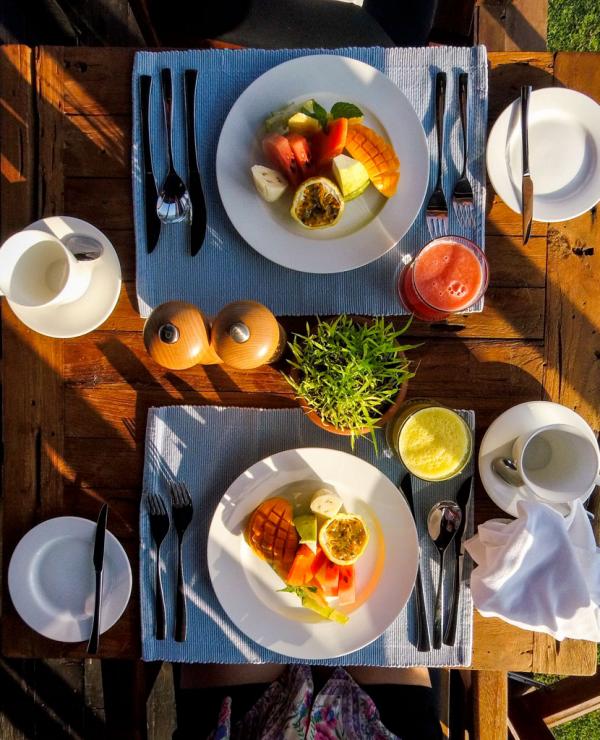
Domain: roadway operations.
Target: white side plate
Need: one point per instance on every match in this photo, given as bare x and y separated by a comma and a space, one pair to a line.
564, 154
52, 584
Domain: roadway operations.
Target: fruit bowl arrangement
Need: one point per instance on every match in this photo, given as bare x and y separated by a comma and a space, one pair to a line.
304, 147
313, 548
350, 374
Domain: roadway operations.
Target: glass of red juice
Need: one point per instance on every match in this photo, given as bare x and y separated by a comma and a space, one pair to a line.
447, 276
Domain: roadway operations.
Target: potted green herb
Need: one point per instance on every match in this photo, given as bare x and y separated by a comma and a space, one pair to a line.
350, 375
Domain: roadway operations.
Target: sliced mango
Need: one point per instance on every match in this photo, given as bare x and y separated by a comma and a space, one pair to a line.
377, 155
271, 533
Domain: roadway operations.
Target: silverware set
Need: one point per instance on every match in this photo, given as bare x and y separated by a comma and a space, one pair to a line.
181, 515
172, 200
436, 212
446, 524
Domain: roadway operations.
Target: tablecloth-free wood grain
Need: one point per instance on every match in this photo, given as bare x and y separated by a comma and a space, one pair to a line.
75, 410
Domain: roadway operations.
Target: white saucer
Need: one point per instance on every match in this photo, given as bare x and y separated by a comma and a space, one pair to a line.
498, 441
95, 306
51, 579
564, 154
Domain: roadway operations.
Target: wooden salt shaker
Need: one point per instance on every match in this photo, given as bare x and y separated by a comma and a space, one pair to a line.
245, 335
176, 335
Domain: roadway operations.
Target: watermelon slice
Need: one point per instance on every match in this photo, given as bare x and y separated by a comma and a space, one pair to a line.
346, 585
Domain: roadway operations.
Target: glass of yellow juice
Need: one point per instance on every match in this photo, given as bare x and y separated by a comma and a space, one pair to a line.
434, 442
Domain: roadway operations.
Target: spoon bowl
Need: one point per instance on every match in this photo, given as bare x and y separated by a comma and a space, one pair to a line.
443, 522
505, 468
83, 248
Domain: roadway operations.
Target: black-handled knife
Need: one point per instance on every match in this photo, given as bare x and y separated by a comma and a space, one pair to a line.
150, 191
98, 559
423, 644
462, 499
198, 226
526, 181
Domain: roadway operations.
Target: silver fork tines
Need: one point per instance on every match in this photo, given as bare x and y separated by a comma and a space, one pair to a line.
436, 213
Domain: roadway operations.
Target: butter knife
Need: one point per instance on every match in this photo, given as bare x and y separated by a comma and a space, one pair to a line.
92, 647
423, 644
462, 499
198, 226
526, 182
150, 191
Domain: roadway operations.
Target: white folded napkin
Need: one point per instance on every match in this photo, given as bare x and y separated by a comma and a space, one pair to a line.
540, 571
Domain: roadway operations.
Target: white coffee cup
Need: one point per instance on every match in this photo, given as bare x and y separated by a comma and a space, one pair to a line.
557, 462
37, 270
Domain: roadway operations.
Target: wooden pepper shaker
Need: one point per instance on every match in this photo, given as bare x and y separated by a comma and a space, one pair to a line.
245, 335
176, 335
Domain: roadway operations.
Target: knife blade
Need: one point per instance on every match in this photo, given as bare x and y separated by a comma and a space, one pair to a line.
423, 644
198, 225
98, 560
150, 191
526, 181
462, 499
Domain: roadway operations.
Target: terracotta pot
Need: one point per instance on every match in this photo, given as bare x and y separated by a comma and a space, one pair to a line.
386, 416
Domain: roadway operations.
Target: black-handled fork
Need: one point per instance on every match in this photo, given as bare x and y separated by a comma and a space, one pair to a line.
182, 511
159, 526
423, 644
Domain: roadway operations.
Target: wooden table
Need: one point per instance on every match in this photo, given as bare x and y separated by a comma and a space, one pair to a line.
75, 411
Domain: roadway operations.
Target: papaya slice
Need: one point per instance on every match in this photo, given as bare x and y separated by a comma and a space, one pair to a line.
271, 533
377, 155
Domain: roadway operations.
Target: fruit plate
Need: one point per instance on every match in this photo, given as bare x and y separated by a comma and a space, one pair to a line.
371, 224
247, 587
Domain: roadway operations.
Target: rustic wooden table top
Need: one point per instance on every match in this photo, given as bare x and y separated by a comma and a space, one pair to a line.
75, 410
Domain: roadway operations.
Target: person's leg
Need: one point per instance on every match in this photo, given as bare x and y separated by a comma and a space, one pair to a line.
212, 675
200, 690
404, 699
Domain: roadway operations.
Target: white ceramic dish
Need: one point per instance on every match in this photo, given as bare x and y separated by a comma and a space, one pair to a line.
371, 224
564, 154
51, 579
95, 305
247, 587
498, 441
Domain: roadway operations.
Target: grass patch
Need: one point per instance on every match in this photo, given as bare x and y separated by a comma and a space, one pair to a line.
574, 25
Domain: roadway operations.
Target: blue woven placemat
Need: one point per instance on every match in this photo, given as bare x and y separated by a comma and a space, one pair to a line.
195, 444
227, 268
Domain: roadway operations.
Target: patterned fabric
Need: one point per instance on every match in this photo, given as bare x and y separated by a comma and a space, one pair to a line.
287, 711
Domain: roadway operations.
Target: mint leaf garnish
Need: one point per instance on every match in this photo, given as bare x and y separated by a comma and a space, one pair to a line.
317, 112
346, 110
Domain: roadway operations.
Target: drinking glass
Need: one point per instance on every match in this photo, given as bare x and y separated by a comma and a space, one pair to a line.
448, 275
433, 442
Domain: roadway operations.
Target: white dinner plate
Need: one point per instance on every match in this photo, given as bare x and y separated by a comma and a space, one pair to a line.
247, 587
498, 441
370, 224
564, 154
95, 305
51, 579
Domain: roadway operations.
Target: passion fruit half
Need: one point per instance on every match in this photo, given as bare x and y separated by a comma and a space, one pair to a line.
317, 203
344, 538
